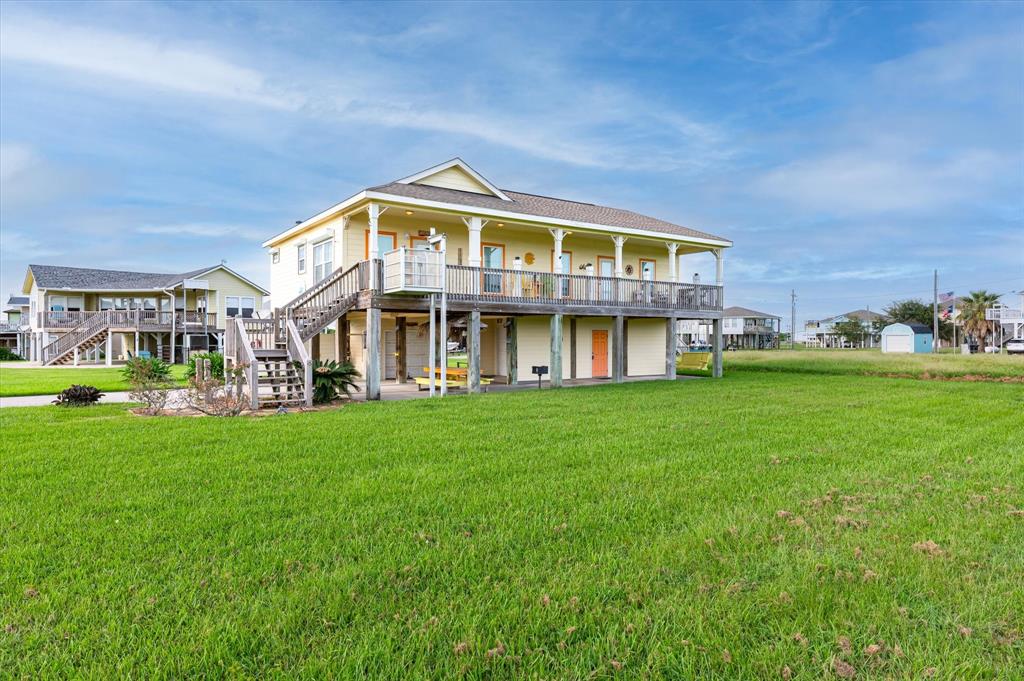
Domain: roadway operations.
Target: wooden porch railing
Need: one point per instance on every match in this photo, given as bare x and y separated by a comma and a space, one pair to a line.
522, 287
131, 318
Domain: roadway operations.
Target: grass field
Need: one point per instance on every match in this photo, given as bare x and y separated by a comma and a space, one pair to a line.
18, 381
720, 529
874, 363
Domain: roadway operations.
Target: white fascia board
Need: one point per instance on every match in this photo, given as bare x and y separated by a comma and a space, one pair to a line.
451, 164
319, 217
525, 217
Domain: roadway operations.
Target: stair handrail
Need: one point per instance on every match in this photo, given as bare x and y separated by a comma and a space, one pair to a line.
85, 330
304, 297
297, 353
251, 373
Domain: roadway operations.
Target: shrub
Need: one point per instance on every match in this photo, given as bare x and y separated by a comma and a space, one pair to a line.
216, 364
78, 396
213, 398
149, 380
8, 355
146, 370
331, 379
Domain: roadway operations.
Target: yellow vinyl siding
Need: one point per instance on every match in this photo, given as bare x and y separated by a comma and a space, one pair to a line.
646, 347
455, 178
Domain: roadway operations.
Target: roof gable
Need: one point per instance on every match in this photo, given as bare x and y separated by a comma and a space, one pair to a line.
455, 174
87, 279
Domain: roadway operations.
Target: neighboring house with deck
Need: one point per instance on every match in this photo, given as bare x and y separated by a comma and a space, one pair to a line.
742, 328
821, 333
585, 290
83, 315
14, 330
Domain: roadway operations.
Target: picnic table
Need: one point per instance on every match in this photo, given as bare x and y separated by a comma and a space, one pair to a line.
456, 377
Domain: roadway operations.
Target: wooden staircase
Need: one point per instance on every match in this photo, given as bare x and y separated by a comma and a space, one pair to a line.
279, 383
321, 305
68, 356
92, 331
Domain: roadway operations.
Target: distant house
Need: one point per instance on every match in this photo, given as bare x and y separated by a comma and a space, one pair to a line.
821, 333
906, 338
14, 330
78, 314
741, 328
1010, 319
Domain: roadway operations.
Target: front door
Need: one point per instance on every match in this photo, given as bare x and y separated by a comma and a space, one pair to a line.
599, 354
606, 270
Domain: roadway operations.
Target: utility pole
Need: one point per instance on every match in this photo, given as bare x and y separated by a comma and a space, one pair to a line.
935, 313
792, 319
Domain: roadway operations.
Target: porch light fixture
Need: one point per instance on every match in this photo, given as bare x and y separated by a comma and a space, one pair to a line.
501, 224
408, 212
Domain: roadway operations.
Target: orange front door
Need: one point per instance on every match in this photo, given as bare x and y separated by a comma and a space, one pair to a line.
599, 354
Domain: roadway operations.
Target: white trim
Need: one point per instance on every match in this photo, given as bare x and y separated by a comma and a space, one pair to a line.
492, 214
451, 164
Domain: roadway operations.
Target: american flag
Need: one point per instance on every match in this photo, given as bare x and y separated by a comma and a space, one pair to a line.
950, 301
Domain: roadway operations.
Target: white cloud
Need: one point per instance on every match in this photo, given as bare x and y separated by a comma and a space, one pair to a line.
149, 62
875, 181
205, 230
570, 127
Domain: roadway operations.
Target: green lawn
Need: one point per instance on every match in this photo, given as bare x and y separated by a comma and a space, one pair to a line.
721, 529
18, 381
874, 363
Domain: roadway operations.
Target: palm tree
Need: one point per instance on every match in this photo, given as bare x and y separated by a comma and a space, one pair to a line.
972, 313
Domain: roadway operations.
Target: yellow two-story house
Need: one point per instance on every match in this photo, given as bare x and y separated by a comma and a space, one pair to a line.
82, 315
575, 289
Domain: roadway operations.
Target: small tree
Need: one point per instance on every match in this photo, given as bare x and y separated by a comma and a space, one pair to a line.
210, 396
853, 331
149, 382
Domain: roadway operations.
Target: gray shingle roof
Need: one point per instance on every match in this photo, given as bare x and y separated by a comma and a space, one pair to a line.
81, 278
543, 206
736, 311
17, 300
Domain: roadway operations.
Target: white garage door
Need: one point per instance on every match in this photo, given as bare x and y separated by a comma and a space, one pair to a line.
903, 343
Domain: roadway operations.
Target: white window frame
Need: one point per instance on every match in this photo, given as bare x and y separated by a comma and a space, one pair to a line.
251, 306
228, 306
323, 265
300, 254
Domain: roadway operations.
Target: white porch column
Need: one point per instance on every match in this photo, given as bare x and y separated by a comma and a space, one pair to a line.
475, 226
76, 355
719, 267
110, 348
672, 260
558, 235
619, 240
374, 215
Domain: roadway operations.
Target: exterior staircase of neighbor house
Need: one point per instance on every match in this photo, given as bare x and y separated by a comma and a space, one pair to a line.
92, 331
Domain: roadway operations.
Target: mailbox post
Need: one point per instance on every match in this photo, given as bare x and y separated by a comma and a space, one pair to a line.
539, 371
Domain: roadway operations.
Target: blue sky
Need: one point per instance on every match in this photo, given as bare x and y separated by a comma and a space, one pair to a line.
847, 149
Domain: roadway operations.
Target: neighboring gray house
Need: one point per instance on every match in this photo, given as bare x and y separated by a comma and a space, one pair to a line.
820, 333
15, 329
742, 328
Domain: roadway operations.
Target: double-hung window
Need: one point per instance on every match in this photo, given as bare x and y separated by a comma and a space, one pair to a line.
301, 253
323, 260
231, 306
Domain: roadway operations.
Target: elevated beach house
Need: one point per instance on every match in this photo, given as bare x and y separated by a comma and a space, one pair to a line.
573, 289
81, 315
14, 329
742, 328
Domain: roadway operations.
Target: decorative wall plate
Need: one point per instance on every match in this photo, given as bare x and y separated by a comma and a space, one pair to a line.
629, 269
528, 258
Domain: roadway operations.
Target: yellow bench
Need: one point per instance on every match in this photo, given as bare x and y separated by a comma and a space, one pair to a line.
694, 360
